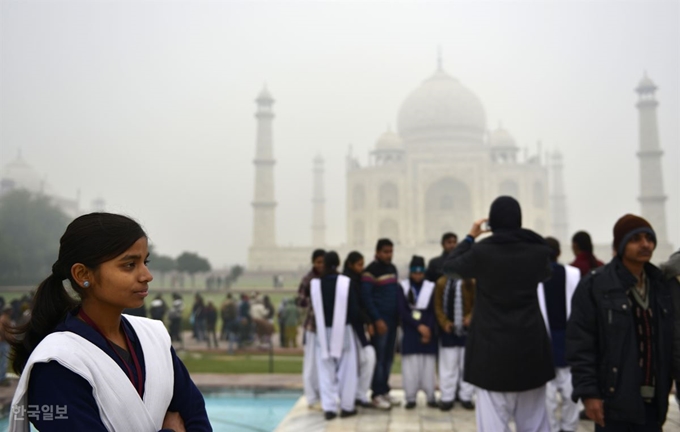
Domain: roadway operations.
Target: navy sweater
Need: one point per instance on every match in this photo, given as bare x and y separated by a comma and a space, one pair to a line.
364, 318
52, 384
379, 291
411, 342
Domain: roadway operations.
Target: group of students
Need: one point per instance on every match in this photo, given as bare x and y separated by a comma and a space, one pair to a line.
351, 330
592, 333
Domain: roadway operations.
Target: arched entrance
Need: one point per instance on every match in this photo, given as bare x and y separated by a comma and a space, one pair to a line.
448, 207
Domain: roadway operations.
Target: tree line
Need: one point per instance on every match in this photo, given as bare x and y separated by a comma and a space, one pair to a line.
30, 229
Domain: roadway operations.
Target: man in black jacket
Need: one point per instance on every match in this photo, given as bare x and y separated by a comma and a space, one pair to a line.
508, 355
619, 336
671, 270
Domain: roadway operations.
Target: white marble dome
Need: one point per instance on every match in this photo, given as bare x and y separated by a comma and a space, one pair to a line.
22, 176
501, 138
389, 141
442, 107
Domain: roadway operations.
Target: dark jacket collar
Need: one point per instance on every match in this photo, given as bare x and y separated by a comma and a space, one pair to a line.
509, 236
628, 279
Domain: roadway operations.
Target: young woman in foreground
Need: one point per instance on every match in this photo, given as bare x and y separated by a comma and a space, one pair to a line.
85, 365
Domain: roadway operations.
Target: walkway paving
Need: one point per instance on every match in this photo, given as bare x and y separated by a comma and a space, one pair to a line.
301, 418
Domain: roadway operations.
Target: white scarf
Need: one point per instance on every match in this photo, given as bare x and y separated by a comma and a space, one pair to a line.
458, 308
120, 407
339, 316
572, 276
423, 299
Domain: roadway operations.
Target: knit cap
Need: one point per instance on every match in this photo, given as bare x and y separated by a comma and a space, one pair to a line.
417, 264
626, 227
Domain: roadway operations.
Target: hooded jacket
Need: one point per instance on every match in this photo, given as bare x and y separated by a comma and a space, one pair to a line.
507, 348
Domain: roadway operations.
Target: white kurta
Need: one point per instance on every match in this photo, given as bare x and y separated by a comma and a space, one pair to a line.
562, 382
310, 375
418, 373
451, 370
495, 410
336, 357
366, 364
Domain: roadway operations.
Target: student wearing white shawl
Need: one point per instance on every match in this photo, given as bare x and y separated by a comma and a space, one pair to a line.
419, 343
87, 366
354, 266
335, 309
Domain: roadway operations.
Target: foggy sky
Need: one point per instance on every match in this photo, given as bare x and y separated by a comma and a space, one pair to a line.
150, 104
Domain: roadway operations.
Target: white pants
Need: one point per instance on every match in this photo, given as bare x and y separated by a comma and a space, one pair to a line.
338, 377
495, 410
366, 369
562, 385
451, 367
310, 377
418, 373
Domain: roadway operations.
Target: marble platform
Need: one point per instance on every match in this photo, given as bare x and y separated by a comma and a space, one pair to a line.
303, 419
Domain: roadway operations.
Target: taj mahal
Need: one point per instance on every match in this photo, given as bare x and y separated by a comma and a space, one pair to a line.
438, 171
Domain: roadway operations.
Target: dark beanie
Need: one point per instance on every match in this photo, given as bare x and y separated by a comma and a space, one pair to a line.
626, 227
417, 264
505, 213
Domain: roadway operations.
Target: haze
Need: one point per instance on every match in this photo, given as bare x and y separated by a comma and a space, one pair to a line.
150, 104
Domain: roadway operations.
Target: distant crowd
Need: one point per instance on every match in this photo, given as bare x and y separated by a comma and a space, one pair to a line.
246, 320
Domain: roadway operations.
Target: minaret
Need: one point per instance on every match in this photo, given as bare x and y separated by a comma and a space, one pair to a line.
318, 206
98, 205
264, 206
652, 199
558, 201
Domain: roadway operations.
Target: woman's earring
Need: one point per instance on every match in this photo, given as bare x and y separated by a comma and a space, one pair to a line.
86, 284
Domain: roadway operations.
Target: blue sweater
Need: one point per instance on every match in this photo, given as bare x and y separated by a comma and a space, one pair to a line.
52, 384
379, 292
411, 342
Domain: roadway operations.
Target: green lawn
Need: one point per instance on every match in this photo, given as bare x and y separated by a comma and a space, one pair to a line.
249, 364
239, 364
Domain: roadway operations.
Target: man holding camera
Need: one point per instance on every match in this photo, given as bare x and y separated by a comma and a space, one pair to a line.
508, 355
